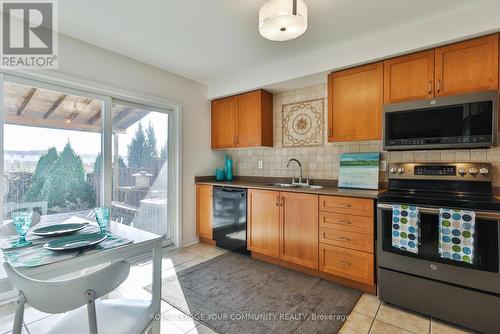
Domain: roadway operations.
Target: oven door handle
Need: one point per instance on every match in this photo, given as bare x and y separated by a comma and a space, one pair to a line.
435, 211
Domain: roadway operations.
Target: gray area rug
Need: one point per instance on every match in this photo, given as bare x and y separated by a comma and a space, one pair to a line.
233, 293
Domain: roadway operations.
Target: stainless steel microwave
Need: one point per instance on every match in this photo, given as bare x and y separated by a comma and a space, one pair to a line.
452, 122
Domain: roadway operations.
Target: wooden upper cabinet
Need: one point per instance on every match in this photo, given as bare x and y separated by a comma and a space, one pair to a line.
299, 229
409, 77
224, 116
245, 120
355, 99
204, 200
264, 222
467, 66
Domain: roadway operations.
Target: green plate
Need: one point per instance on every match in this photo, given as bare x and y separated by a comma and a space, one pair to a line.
77, 241
58, 229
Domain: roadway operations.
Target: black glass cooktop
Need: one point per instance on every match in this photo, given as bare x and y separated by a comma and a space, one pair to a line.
472, 201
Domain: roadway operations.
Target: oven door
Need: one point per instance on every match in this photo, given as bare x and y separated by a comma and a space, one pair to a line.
482, 274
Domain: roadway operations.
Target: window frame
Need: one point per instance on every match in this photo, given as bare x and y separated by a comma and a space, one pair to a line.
109, 95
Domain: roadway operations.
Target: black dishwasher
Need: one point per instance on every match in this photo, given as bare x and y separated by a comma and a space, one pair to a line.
230, 219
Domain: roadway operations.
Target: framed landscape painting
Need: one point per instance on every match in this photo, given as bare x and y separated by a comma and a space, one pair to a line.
359, 170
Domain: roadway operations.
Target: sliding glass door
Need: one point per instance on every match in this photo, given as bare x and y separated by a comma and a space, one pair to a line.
140, 167
66, 151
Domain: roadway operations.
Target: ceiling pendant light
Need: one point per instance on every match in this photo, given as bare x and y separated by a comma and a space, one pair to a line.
283, 20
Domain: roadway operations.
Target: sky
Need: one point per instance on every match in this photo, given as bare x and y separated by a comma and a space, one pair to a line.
25, 138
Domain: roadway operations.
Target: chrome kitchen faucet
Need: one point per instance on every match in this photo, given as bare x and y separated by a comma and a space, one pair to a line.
300, 177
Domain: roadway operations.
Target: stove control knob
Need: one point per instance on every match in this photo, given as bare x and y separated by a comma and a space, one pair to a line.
473, 171
394, 170
484, 171
401, 170
462, 171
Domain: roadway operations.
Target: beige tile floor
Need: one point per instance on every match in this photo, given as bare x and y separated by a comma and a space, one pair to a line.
369, 315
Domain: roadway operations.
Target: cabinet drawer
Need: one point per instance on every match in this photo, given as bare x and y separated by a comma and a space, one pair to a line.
346, 205
349, 223
350, 264
356, 241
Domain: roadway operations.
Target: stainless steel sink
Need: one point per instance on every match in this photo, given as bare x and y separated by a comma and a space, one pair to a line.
283, 185
292, 185
310, 186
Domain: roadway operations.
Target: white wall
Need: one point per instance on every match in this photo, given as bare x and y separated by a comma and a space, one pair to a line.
88, 62
443, 28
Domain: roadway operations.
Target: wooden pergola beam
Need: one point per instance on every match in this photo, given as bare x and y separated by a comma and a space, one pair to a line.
27, 100
94, 118
71, 117
125, 112
55, 124
55, 106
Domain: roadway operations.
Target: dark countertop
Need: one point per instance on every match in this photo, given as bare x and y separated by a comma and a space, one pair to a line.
329, 187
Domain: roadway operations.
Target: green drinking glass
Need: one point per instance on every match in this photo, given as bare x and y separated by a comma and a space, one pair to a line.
102, 218
22, 222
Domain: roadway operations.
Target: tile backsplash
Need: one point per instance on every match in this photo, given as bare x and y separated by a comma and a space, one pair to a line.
322, 162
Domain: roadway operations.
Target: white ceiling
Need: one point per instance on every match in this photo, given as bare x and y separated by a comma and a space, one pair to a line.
216, 42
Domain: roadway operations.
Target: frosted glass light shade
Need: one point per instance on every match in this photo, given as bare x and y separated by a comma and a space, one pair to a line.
277, 21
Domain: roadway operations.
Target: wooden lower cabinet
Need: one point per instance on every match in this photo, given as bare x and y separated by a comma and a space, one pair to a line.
347, 263
284, 225
299, 229
347, 205
263, 235
352, 240
319, 235
204, 200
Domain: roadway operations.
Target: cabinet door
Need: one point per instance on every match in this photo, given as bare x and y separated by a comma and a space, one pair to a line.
263, 222
409, 77
299, 229
355, 99
248, 128
467, 67
224, 114
347, 263
204, 200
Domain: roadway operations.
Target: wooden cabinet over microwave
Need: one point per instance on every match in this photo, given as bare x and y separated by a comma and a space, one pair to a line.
409, 77
244, 120
468, 66
465, 67
355, 99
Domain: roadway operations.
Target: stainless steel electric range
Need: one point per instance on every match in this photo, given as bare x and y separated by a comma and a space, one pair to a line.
463, 293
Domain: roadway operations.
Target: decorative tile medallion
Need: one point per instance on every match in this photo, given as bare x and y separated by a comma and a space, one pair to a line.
303, 123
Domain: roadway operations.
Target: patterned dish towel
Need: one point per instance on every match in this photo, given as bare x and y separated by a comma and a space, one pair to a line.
456, 234
405, 228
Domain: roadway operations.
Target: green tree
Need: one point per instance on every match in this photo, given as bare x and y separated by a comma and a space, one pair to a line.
137, 148
121, 163
97, 163
151, 152
65, 185
142, 151
40, 175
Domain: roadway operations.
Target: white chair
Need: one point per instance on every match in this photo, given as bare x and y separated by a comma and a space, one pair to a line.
98, 316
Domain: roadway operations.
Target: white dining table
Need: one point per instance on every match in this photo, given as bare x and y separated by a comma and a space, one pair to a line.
142, 243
